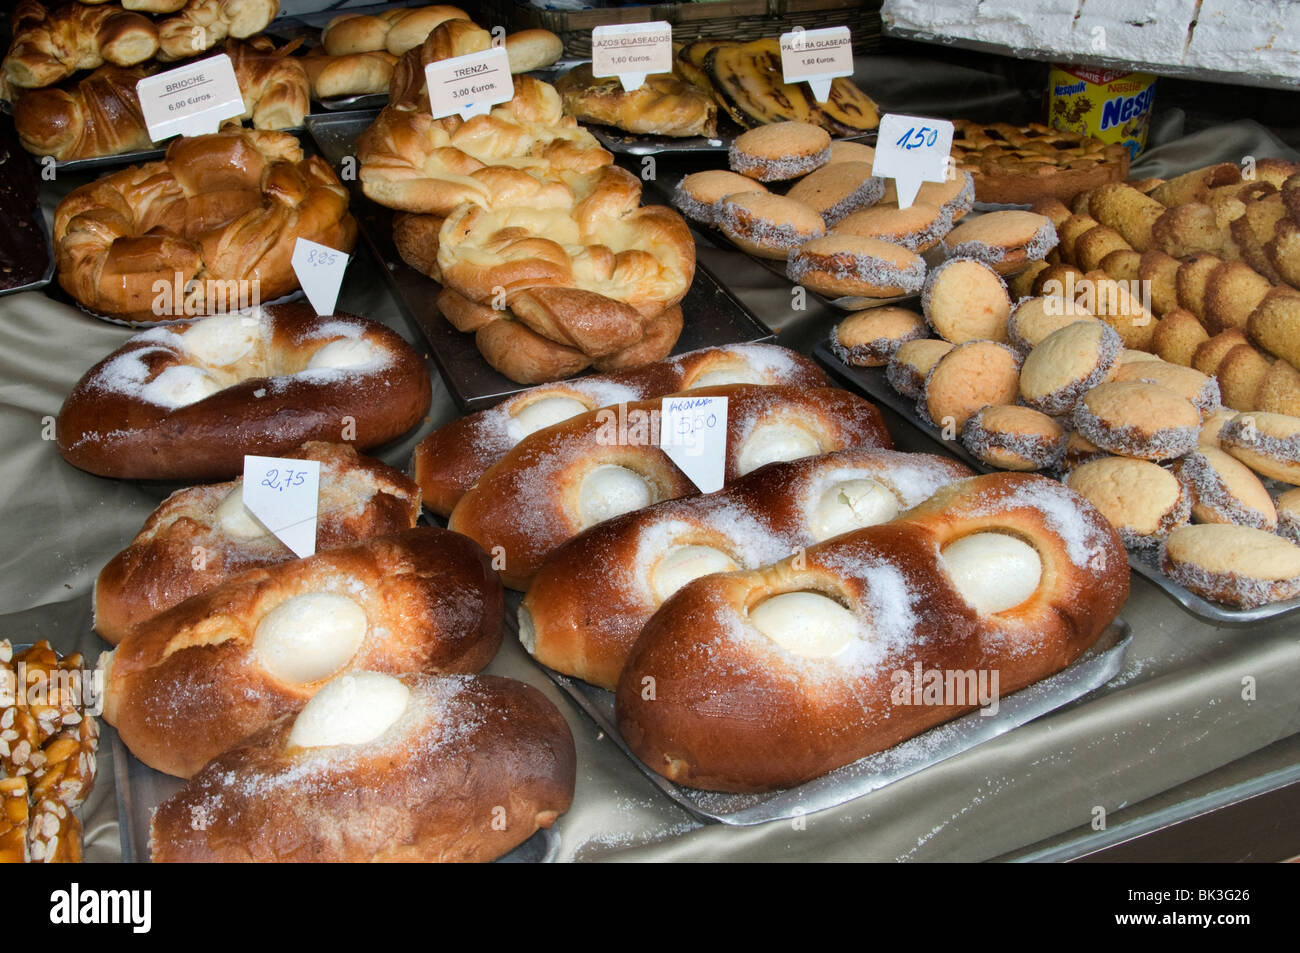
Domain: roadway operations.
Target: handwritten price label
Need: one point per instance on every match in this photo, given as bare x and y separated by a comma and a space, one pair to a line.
320, 272
469, 85
191, 100
693, 432
911, 150
632, 51
284, 495
816, 57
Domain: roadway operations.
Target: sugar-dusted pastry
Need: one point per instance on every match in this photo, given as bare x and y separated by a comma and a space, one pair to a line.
910, 364
698, 194
1014, 438
970, 376
767, 225
965, 300
1142, 500
846, 265
1267, 443
1236, 565
779, 151
1067, 364
870, 338
1224, 490
1138, 419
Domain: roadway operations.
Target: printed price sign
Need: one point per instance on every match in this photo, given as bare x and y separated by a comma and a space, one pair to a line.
469, 85
911, 150
320, 272
284, 494
693, 432
191, 100
816, 57
632, 51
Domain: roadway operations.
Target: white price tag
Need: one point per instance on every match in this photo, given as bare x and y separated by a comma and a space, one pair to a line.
191, 100
693, 432
632, 51
320, 272
911, 150
471, 84
284, 495
816, 57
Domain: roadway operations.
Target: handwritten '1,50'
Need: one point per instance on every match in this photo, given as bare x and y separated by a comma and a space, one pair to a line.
916, 137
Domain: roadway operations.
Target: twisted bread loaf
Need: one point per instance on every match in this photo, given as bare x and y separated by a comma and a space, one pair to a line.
381, 768
561, 480
763, 679
451, 459
217, 217
594, 593
52, 44
100, 116
203, 535
205, 23
189, 683
277, 93
187, 402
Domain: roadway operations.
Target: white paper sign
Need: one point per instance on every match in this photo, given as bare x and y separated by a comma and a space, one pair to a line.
632, 51
816, 57
693, 432
320, 272
191, 100
469, 85
284, 495
911, 150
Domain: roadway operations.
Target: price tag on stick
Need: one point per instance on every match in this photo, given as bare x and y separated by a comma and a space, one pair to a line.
320, 272
693, 432
632, 51
469, 85
284, 495
191, 100
816, 57
911, 150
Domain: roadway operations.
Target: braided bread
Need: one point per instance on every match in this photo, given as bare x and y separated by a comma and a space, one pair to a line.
205, 23
767, 678
50, 45
189, 683
452, 459
188, 401
218, 211
561, 480
201, 536
381, 768
594, 593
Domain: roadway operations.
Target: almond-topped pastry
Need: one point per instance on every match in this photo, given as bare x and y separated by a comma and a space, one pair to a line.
767, 225
1014, 438
1004, 240
779, 151
698, 194
1018, 164
1067, 364
1224, 490
918, 227
965, 300
971, 376
835, 191
870, 338
1142, 500
1138, 419
911, 363
1033, 319
1236, 565
838, 265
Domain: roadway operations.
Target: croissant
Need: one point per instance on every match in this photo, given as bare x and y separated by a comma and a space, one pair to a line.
50, 45
767, 678
100, 116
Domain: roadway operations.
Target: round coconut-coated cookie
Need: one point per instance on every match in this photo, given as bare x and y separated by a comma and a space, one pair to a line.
1005, 240
1288, 515
971, 376
1079, 450
698, 194
954, 197
1014, 438
911, 363
918, 227
837, 190
1235, 565
1267, 443
1142, 500
1067, 364
780, 151
870, 338
767, 225
1034, 318
1137, 419
845, 265
1186, 382
1213, 425
965, 300
1225, 490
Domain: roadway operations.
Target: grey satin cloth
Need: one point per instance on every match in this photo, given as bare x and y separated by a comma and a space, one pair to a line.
1175, 713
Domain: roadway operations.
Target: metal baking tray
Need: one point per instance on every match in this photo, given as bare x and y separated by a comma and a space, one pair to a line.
122, 159
1095, 668
141, 789
713, 316
48, 275
871, 381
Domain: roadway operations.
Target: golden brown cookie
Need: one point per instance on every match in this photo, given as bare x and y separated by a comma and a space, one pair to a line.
780, 151
965, 300
1014, 438
835, 191
1224, 490
971, 376
767, 225
1142, 500
1138, 419
1034, 318
698, 194
1177, 336
1004, 240
911, 363
870, 338
918, 227
1067, 364
1267, 443
840, 265
1079, 450
1186, 382
1236, 565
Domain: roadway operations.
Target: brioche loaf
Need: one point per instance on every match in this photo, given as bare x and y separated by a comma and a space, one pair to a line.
52, 44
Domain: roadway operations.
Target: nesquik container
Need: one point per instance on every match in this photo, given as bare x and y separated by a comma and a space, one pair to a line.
1110, 105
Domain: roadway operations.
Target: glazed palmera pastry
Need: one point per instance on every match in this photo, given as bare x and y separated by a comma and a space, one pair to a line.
911, 363
767, 225
1224, 490
663, 105
780, 151
376, 767
1236, 565
835, 191
1267, 443
698, 194
1034, 318
1067, 364
965, 300
918, 228
1004, 240
870, 338
1137, 419
1014, 438
971, 376
845, 265
1201, 390
1142, 500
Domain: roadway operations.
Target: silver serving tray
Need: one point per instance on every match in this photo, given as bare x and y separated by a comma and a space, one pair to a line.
1095, 668
871, 381
48, 275
141, 789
